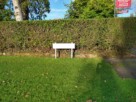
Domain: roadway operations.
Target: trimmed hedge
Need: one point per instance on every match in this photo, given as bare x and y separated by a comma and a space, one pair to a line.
112, 34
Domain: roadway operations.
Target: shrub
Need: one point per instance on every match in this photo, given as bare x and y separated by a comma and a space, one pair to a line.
114, 34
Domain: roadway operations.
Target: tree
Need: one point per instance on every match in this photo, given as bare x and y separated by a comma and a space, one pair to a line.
76, 8
17, 10
99, 9
1, 9
30, 9
5, 10
35, 9
91, 9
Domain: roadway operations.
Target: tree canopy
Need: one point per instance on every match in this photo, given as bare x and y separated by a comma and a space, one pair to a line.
31, 9
5, 10
91, 9
35, 9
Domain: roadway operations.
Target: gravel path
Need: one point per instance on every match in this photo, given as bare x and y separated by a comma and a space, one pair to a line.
126, 68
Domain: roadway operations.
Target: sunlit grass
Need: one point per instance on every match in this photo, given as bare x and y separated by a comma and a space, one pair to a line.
39, 79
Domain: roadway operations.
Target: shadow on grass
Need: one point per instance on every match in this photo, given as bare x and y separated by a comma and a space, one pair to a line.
128, 66
125, 45
100, 84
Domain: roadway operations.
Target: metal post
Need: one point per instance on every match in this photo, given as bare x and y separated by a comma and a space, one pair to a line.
55, 53
71, 53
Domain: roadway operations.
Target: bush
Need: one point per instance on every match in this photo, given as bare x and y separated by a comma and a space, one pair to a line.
114, 34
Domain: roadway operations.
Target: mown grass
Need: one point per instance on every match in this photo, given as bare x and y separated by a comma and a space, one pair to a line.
39, 79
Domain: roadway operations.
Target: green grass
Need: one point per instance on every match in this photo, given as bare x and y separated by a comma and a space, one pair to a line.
39, 79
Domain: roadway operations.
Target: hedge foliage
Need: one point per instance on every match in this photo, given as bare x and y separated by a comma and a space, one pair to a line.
112, 34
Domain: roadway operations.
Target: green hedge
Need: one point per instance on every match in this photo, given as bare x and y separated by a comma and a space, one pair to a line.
117, 35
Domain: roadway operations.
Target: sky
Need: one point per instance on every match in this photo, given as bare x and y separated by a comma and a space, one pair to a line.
58, 9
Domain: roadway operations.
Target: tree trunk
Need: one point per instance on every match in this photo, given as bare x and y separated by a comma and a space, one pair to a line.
17, 10
26, 14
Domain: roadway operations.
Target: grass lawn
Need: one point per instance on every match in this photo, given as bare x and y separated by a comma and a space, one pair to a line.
39, 79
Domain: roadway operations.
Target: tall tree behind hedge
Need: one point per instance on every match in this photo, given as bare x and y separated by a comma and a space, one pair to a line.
31, 9
76, 8
91, 9
17, 10
35, 9
5, 13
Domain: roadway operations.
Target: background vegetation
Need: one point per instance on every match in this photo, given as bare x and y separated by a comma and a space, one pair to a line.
102, 35
31, 9
90, 9
38, 9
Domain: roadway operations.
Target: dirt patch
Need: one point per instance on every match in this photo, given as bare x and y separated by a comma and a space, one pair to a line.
86, 56
126, 68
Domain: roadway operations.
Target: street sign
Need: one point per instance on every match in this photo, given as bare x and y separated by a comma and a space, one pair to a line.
123, 3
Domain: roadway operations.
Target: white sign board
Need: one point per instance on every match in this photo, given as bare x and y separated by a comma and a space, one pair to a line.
63, 46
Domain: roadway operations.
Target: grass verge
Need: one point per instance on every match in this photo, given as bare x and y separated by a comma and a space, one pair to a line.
38, 79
